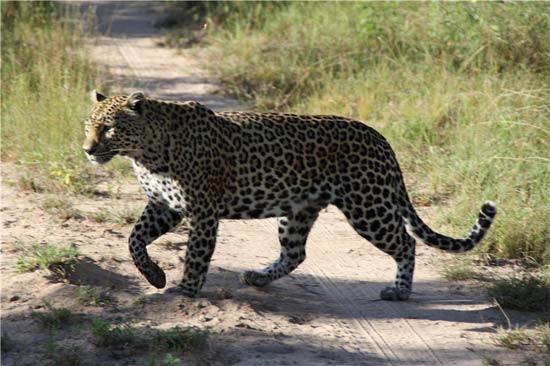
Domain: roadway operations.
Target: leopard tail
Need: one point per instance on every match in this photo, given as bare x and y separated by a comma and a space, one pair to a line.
420, 230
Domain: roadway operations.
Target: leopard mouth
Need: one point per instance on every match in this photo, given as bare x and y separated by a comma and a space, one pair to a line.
101, 158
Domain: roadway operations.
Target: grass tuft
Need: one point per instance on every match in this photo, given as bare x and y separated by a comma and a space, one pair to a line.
122, 217
520, 337
530, 292
48, 256
54, 318
171, 340
181, 339
61, 207
88, 295
6, 342
62, 356
106, 335
162, 360
459, 270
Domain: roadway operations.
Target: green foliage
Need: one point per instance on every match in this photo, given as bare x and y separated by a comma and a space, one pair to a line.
125, 216
72, 177
459, 89
170, 359
162, 360
181, 339
530, 292
174, 339
62, 356
47, 256
54, 318
6, 342
60, 207
292, 49
459, 270
46, 78
88, 295
106, 335
518, 337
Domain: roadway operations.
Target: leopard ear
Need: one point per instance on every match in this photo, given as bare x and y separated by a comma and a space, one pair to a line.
135, 101
96, 97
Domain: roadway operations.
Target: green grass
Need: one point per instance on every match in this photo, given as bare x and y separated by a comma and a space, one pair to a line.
88, 295
460, 270
63, 208
60, 207
6, 342
459, 89
46, 79
124, 216
537, 338
47, 256
107, 335
166, 345
54, 318
180, 339
530, 292
162, 360
62, 356
175, 339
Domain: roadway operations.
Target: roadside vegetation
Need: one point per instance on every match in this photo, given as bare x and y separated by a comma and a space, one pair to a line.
90, 296
164, 347
46, 79
54, 318
529, 292
47, 257
459, 89
155, 346
538, 338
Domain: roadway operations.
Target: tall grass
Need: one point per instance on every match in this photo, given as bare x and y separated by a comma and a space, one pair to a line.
46, 78
461, 90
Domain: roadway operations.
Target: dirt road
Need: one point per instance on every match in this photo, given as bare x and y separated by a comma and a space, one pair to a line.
327, 312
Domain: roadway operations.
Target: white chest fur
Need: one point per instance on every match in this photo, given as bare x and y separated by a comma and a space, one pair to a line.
161, 189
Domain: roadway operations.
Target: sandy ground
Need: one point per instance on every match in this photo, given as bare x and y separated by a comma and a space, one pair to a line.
327, 312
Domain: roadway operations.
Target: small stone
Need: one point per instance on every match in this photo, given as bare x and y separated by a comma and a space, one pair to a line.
14, 298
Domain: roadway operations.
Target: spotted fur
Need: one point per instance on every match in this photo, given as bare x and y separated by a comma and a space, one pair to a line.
208, 166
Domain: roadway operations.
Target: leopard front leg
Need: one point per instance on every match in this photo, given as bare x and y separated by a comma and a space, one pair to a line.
200, 248
155, 221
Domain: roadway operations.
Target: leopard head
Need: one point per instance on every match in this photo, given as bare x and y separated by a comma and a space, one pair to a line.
115, 126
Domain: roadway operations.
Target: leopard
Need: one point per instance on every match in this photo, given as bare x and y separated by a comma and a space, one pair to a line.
204, 166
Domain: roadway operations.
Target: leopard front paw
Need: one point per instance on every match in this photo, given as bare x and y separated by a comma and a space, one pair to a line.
395, 294
155, 275
253, 278
182, 290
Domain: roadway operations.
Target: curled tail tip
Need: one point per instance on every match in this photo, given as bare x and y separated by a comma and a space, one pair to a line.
489, 209
484, 221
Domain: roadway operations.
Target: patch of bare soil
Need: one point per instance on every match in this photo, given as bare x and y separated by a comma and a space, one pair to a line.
327, 312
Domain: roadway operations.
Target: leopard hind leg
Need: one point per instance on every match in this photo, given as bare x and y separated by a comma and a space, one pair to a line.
383, 226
